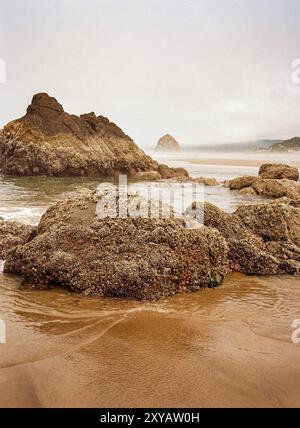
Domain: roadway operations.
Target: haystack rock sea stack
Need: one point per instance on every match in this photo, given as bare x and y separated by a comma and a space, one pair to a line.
167, 143
49, 141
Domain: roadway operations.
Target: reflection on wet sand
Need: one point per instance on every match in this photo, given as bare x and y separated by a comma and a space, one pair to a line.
225, 347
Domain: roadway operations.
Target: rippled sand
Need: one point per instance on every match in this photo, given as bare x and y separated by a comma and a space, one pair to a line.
225, 347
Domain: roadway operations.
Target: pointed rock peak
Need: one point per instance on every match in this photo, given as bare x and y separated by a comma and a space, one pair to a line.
167, 142
42, 101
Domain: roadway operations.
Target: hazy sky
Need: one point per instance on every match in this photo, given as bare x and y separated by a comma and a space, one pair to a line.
203, 70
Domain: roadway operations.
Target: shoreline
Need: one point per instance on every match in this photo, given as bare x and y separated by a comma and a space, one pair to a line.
237, 162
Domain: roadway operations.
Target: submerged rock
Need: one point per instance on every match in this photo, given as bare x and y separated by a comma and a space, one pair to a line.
240, 183
49, 141
164, 173
138, 258
167, 143
171, 173
270, 188
13, 233
263, 239
278, 171
147, 175
206, 181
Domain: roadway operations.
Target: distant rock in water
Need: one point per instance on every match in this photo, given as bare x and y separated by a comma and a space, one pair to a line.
167, 143
49, 141
207, 181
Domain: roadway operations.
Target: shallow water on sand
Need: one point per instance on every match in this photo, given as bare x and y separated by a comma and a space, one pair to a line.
226, 165
230, 346
25, 199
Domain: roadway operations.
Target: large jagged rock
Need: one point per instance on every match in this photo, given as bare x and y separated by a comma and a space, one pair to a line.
137, 258
278, 171
13, 233
263, 239
167, 143
49, 141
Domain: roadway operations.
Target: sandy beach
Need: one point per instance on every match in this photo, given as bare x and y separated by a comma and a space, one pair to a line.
241, 161
225, 347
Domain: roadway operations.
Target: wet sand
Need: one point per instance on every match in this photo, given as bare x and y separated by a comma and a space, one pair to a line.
224, 165
229, 346
246, 162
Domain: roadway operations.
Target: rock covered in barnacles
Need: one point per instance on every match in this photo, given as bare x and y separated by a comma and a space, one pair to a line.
278, 171
263, 239
132, 257
13, 233
269, 188
49, 141
207, 181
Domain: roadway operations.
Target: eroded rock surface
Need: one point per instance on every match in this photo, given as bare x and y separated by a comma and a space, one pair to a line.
269, 188
278, 171
137, 258
263, 239
207, 181
13, 233
49, 141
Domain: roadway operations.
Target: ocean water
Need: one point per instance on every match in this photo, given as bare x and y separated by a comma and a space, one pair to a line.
26, 198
